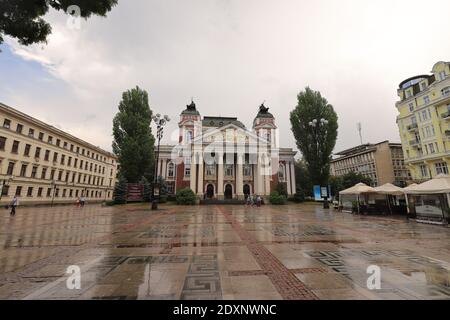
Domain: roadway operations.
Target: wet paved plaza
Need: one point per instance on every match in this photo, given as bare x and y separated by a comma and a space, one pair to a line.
219, 252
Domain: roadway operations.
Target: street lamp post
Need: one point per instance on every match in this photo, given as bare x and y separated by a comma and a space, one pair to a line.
316, 125
160, 123
5, 183
53, 184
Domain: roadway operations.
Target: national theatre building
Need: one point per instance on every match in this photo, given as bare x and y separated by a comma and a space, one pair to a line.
218, 158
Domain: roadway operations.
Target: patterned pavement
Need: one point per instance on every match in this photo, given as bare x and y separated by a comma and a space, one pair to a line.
219, 252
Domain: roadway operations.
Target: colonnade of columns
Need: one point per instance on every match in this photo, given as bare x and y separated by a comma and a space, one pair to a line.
261, 174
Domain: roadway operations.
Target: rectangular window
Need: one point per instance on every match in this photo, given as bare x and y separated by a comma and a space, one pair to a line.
63, 159
2, 143
39, 194
10, 169
55, 157
30, 192
19, 128
228, 170
69, 162
44, 173
52, 174
37, 153
424, 171
18, 191
34, 172
60, 173
65, 145
75, 163
50, 139
426, 99
15, 147
58, 142
41, 136
7, 124
441, 168
49, 192
187, 170
31, 133
26, 152
5, 191
23, 170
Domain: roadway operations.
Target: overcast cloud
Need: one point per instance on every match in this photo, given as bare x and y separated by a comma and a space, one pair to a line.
230, 56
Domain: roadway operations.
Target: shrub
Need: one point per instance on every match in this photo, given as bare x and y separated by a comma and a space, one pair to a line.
186, 197
277, 199
281, 188
120, 191
109, 203
299, 197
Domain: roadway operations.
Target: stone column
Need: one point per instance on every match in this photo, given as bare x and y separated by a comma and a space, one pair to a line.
259, 177
293, 182
193, 177
164, 169
287, 177
220, 194
200, 190
267, 178
240, 177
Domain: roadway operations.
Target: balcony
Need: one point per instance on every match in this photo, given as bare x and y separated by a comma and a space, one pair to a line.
412, 127
415, 143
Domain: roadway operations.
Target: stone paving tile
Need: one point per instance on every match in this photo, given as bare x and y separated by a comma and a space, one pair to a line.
219, 252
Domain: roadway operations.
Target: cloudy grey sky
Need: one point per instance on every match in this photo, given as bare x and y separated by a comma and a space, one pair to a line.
230, 55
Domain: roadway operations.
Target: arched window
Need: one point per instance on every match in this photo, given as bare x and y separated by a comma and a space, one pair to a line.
171, 170
281, 172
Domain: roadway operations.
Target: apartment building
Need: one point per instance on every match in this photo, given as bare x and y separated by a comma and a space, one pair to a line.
42, 164
424, 122
382, 162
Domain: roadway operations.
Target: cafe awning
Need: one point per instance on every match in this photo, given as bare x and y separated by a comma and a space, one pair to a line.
440, 184
358, 189
390, 189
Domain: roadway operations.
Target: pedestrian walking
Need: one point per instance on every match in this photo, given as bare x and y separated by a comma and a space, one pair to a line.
82, 201
258, 201
14, 204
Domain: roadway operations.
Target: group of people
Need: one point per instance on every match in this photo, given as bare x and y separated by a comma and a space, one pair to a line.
254, 200
81, 201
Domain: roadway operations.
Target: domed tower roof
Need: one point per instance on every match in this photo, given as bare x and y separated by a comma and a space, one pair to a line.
264, 112
191, 110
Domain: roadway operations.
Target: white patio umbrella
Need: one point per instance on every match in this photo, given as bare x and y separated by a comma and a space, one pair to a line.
389, 189
406, 189
357, 190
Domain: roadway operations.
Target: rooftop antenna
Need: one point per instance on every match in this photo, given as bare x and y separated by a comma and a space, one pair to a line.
359, 127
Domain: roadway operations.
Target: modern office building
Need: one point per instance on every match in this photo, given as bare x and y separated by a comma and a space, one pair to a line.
424, 122
382, 162
218, 158
42, 164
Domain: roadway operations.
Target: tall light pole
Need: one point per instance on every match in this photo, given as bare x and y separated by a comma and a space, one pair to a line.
316, 126
160, 123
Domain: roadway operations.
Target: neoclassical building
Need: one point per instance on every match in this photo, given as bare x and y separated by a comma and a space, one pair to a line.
219, 158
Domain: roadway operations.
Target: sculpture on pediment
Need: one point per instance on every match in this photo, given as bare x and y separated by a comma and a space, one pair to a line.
191, 107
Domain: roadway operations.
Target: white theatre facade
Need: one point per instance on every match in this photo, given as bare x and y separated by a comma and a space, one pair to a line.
218, 158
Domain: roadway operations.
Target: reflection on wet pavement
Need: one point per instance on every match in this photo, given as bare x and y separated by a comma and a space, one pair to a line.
219, 252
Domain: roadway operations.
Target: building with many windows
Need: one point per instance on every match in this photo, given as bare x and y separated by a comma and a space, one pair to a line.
218, 158
424, 122
42, 164
382, 162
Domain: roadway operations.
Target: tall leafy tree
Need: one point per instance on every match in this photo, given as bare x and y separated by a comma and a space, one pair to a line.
303, 179
120, 191
23, 19
133, 139
315, 143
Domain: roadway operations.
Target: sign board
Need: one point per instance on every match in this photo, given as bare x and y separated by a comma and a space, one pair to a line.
322, 192
135, 192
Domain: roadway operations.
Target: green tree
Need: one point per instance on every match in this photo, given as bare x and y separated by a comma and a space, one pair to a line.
303, 180
120, 191
347, 181
315, 143
133, 140
281, 188
23, 19
147, 193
